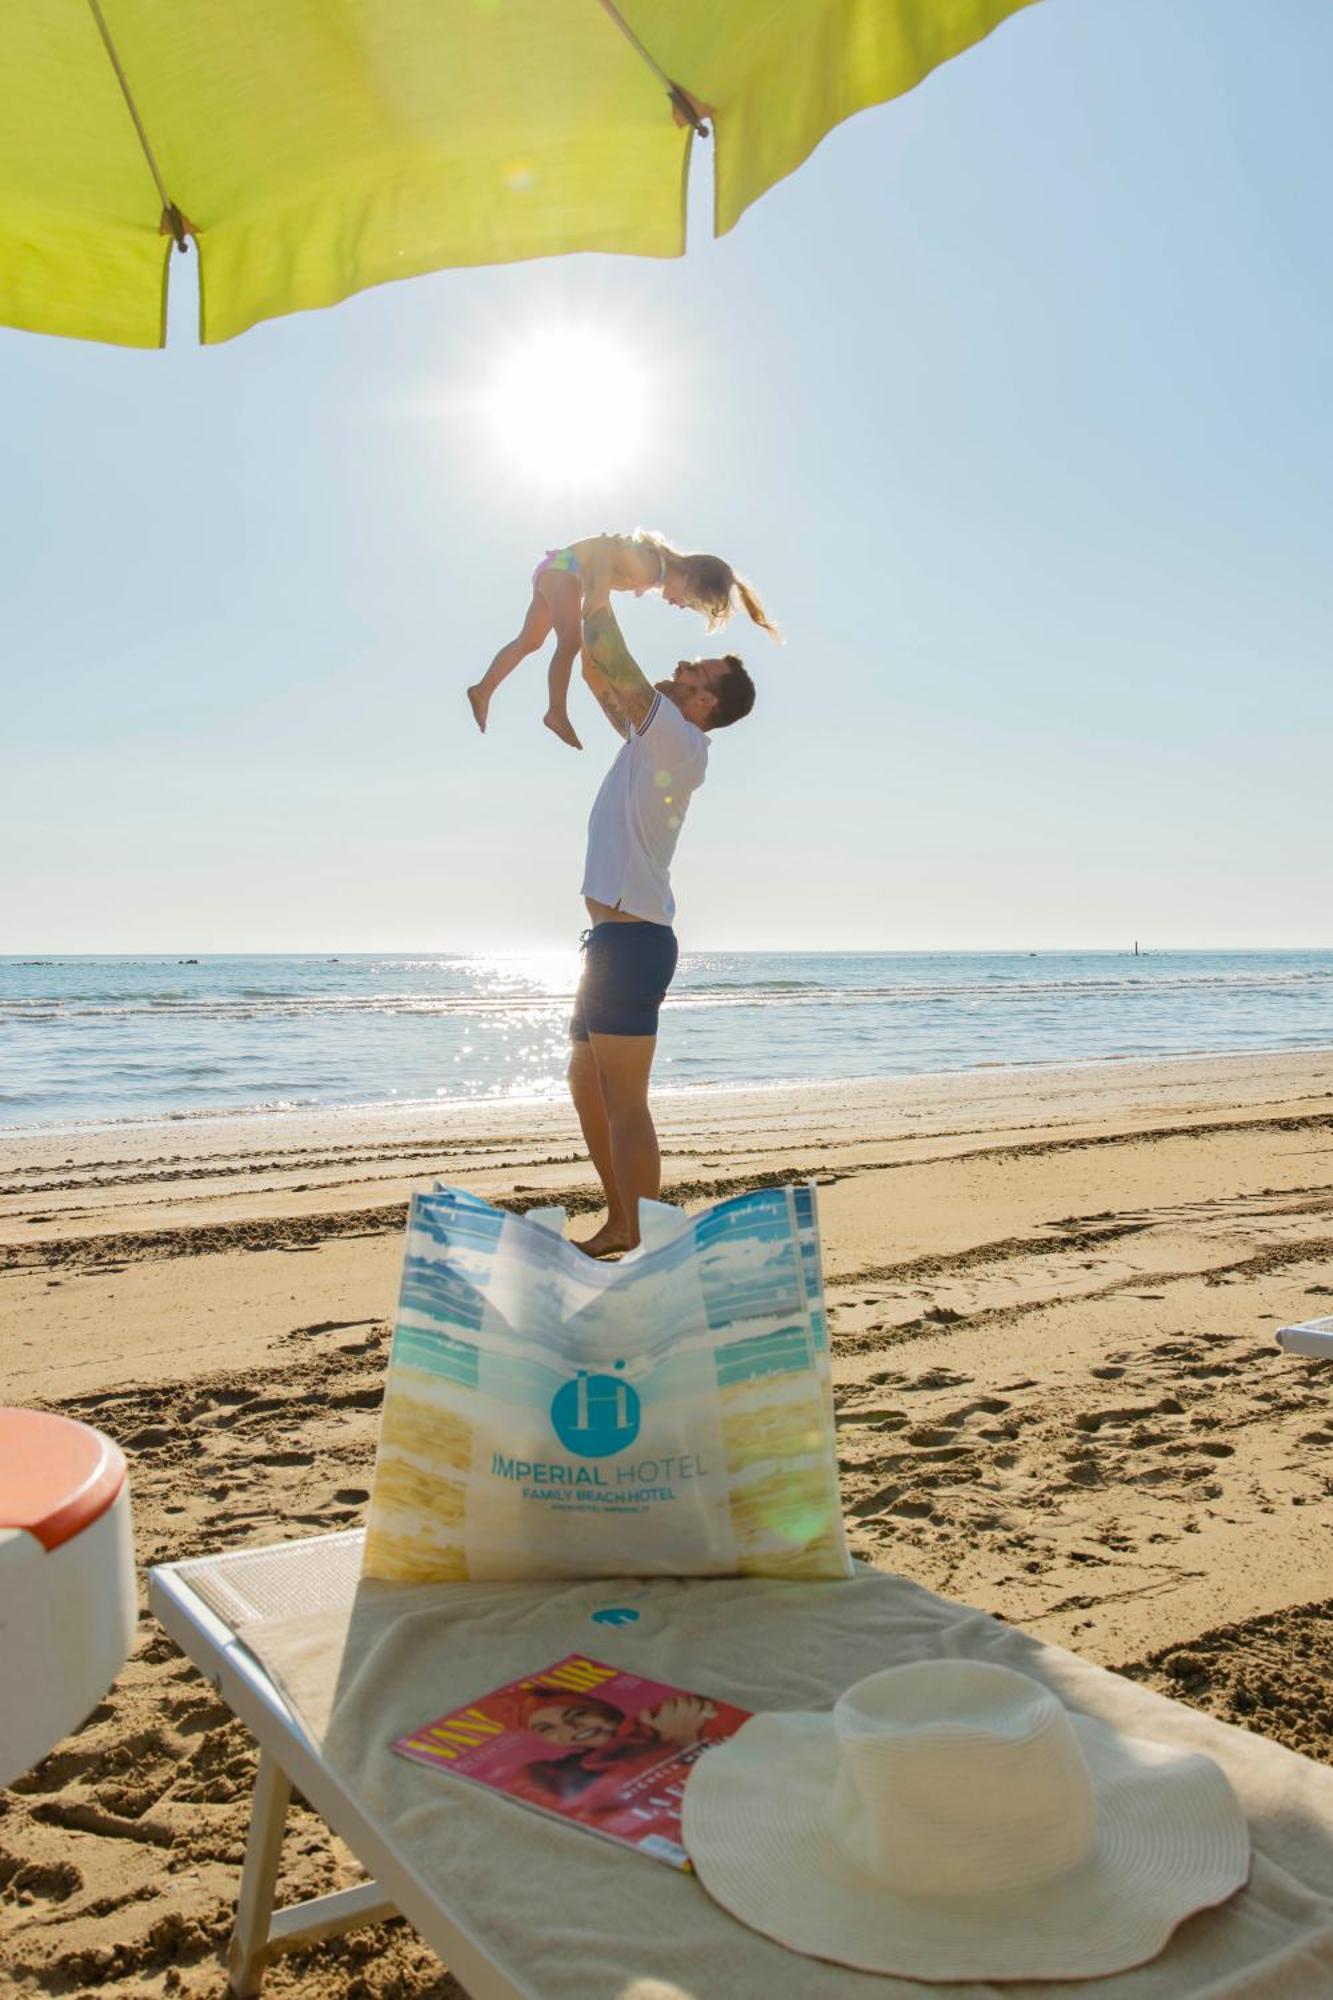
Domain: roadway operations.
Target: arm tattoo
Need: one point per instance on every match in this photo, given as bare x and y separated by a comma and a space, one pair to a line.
611, 656
610, 707
607, 701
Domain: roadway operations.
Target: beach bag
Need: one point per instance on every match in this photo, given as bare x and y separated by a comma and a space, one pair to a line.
547, 1415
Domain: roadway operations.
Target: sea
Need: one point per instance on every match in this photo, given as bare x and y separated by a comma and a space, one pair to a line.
108, 1039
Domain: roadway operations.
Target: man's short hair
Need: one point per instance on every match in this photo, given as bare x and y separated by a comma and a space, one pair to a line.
733, 694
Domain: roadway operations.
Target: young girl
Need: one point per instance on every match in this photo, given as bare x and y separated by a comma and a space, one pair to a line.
638, 562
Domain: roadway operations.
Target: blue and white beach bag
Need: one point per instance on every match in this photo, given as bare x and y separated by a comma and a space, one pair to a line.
549, 1416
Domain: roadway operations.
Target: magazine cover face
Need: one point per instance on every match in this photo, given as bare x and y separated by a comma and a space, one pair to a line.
606, 1750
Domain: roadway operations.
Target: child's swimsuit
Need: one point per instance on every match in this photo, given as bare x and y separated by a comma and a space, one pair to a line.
564, 559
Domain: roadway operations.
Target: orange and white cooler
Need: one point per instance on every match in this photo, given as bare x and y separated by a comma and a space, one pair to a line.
67, 1593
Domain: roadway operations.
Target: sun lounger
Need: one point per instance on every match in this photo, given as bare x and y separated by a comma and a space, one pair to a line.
1312, 1338
199, 1603
326, 1670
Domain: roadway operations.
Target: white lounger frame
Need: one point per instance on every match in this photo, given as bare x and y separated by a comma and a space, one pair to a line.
288, 1758
1312, 1338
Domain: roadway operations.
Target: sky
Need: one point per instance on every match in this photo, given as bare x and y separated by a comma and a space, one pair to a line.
1013, 402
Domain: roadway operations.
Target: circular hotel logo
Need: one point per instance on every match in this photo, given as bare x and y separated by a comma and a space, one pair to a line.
595, 1415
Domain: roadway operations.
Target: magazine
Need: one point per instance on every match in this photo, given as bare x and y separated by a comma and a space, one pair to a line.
602, 1749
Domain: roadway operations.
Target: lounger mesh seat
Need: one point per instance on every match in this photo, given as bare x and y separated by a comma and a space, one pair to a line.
325, 1671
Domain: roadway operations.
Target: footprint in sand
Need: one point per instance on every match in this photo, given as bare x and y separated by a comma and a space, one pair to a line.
989, 1406
64, 1768
54, 1773
37, 1881
357, 1399
1092, 1420
220, 1771
255, 1406
194, 1712
936, 1378
215, 1401
150, 1438
83, 1816
880, 1419
129, 1801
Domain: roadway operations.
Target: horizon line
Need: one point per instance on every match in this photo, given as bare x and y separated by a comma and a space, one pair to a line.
184, 954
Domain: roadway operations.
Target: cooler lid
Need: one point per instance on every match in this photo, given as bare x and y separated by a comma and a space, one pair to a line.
56, 1476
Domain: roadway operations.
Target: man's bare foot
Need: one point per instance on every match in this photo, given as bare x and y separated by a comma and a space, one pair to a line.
607, 1242
556, 720
480, 702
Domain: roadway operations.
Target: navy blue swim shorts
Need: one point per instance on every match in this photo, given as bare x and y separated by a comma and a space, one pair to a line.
627, 969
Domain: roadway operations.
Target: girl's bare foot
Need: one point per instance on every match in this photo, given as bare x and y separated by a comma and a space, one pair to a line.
480, 701
556, 720
607, 1242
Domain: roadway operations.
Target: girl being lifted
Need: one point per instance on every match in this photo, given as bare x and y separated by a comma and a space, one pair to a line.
639, 562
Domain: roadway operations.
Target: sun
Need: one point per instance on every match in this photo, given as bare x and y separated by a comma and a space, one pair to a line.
568, 406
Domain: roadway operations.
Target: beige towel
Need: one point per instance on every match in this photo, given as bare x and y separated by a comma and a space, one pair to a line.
569, 1917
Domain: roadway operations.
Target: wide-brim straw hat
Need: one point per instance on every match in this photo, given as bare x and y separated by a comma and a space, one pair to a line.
953, 1820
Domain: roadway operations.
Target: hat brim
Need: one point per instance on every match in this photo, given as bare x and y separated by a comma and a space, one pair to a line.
1171, 1839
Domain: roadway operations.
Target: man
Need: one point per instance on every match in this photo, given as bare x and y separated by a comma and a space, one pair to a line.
630, 952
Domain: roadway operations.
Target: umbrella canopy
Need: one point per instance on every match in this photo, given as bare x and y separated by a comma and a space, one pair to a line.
314, 147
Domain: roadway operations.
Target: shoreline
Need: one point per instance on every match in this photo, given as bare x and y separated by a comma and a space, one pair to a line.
474, 1115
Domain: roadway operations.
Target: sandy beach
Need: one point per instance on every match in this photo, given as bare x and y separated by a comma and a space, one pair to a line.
1053, 1298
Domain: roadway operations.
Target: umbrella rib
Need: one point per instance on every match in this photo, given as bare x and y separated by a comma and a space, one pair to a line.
681, 101
173, 222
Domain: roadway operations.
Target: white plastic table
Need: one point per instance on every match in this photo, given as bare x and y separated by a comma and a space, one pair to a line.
67, 1591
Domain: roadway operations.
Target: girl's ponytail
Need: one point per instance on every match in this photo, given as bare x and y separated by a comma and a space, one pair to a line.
711, 586
750, 599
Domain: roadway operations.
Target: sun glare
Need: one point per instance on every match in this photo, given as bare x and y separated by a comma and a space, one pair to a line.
567, 406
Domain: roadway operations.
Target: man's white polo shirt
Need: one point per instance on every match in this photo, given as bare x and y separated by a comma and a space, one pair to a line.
636, 816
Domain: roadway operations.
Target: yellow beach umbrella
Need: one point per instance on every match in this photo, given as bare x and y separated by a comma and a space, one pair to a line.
314, 147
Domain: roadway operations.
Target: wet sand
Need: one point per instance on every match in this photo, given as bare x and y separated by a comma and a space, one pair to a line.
1053, 1302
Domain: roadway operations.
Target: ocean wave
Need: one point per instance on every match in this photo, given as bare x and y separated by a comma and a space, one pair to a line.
500, 1096
238, 1037
766, 985
250, 1005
